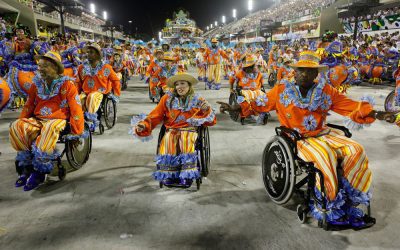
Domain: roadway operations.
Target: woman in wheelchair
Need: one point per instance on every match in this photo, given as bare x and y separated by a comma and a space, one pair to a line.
249, 87
181, 112
302, 104
52, 102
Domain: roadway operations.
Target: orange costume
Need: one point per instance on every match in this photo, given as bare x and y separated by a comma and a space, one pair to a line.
177, 157
308, 117
159, 71
214, 66
5, 94
284, 72
93, 83
397, 94
48, 108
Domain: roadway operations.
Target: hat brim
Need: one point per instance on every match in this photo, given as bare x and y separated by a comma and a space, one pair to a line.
95, 48
181, 77
249, 65
320, 67
60, 66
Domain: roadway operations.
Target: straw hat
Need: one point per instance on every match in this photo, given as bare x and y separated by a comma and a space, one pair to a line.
309, 59
55, 58
158, 51
95, 46
181, 77
214, 40
169, 56
249, 61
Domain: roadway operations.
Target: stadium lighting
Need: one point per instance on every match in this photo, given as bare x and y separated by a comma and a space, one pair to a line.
105, 15
223, 19
211, 26
216, 23
92, 8
234, 13
250, 5
208, 27
130, 21
160, 35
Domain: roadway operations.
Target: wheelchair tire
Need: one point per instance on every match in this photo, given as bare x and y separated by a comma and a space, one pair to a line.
110, 113
390, 103
78, 155
278, 170
301, 214
161, 184
62, 172
205, 151
198, 184
233, 101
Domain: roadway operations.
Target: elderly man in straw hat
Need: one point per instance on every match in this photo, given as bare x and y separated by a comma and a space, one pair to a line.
52, 103
302, 104
181, 111
95, 79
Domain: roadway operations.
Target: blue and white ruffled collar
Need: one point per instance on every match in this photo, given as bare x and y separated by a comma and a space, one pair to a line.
190, 103
46, 93
292, 94
89, 71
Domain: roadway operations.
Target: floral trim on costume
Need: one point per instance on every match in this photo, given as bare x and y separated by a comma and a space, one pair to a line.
45, 93
42, 161
197, 122
89, 71
310, 123
134, 122
24, 158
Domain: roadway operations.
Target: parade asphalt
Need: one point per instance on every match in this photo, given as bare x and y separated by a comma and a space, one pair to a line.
113, 202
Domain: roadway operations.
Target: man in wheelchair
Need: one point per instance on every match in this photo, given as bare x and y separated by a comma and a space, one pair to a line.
302, 104
53, 101
181, 111
96, 79
249, 87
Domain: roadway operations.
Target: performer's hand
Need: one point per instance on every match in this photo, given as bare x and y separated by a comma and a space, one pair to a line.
204, 105
226, 107
140, 127
386, 116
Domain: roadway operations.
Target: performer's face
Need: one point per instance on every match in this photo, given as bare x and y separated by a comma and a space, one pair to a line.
249, 70
305, 77
47, 69
160, 56
92, 55
214, 45
182, 87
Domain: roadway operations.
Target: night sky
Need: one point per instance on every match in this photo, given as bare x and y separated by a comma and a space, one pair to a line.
149, 15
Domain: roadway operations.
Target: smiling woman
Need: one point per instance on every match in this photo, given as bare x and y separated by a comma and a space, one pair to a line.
181, 111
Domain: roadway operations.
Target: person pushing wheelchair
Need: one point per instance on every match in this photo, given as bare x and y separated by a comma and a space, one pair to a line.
302, 104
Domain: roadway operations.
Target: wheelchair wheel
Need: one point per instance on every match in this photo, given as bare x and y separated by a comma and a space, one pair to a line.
78, 151
110, 113
301, 213
278, 170
272, 79
233, 101
198, 183
62, 173
204, 135
390, 104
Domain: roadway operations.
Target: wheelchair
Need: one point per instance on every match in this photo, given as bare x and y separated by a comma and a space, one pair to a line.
202, 147
235, 115
281, 166
77, 152
390, 103
107, 111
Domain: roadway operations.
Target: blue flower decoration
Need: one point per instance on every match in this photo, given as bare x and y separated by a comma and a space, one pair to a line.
106, 72
102, 90
180, 118
326, 102
310, 123
285, 98
154, 79
245, 80
45, 111
63, 104
90, 83
261, 100
240, 99
27, 85
78, 100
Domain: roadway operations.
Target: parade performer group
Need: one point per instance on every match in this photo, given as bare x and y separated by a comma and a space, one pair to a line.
64, 86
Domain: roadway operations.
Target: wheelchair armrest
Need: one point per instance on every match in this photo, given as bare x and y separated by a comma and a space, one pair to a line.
296, 135
345, 130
